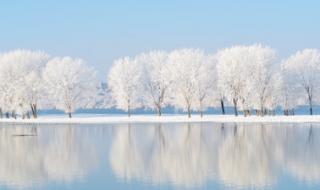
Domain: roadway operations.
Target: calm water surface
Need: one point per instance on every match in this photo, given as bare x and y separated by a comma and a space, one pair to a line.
160, 156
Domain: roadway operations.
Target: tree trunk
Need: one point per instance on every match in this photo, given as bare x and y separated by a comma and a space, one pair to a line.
159, 112
7, 115
129, 111
201, 109
189, 112
222, 107
235, 107
34, 110
1, 113
262, 110
13, 114
70, 115
310, 105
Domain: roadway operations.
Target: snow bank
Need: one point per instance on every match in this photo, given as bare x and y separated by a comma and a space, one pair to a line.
93, 119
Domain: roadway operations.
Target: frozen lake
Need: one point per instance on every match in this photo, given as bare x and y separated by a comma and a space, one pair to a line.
160, 156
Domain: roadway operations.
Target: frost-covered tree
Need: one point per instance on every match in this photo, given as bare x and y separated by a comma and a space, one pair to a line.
156, 79
124, 81
70, 83
186, 67
289, 93
304, 68
205, 84
231, 74
245, 75
21, 83
274, 97
262, 70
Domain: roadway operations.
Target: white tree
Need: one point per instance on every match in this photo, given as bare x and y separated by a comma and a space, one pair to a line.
289, 93
206, 84
275, 93
186, 64
243, 70
304, 68
156, 79
71, 83
232, 73
21, 80
261, 63
124, 81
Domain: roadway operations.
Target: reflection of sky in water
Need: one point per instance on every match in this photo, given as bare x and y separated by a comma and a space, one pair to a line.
251, 156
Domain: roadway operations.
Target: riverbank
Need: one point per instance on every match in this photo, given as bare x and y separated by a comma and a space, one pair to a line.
100, 119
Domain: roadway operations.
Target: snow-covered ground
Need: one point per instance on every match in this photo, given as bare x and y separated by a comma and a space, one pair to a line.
92, 118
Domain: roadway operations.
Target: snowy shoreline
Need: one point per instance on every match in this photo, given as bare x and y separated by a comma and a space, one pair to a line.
163, 119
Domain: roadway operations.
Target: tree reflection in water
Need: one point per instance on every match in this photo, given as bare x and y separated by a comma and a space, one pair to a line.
33, 156
251, 156
189, 155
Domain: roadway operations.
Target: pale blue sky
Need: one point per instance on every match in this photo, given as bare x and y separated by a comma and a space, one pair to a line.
100, 31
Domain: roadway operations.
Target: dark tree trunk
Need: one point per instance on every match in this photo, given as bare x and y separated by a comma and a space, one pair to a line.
310, 110
129, 109
159, 111
14, 115
263, 111
189, 112
7, 115
70, 115
34, 110
222, 107
310, 103
235, 107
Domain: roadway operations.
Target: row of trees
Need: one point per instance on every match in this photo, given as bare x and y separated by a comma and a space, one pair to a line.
32, 78
249, 78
